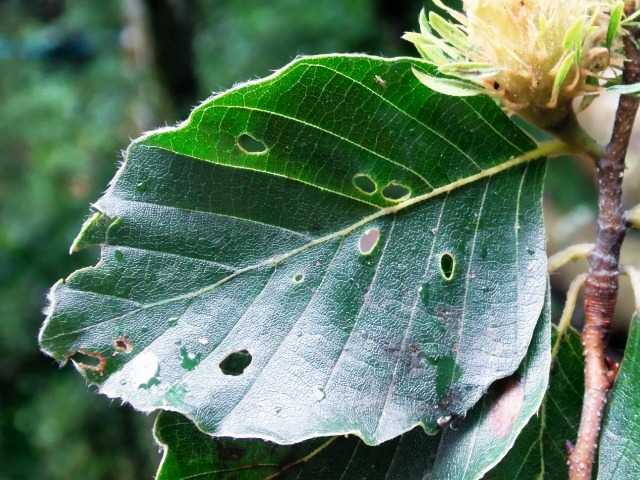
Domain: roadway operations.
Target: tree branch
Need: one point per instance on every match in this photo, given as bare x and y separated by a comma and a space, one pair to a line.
601, 289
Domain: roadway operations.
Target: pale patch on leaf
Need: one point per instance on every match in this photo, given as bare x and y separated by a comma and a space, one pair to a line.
448, 86
507, 405
634, 88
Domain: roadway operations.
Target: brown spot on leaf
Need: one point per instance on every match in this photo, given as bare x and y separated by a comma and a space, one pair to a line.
507, 403
122, 344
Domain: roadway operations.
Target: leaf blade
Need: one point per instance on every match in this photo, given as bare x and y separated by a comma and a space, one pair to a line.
539, 451
190, 210
188, 452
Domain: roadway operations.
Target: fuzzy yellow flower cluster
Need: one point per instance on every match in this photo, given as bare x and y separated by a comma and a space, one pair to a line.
536, 56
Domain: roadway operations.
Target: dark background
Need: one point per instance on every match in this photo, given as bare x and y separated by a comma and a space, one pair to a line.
78, 80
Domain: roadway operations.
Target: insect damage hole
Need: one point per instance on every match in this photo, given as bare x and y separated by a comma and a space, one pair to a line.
447, 266
298, 278
122, 344
251, 145
85, 360
365, 183
235, 363
368, 241
395, 192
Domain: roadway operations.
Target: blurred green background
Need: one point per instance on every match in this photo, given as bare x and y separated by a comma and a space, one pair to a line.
78, 80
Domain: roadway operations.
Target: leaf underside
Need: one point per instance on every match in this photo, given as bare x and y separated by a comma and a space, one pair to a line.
334, 249
481, 438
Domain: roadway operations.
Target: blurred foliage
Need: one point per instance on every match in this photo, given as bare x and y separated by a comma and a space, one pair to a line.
77, 82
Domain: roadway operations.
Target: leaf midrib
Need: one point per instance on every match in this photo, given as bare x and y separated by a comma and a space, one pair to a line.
543, 149
302, 64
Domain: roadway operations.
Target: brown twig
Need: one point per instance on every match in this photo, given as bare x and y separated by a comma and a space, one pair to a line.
601, 289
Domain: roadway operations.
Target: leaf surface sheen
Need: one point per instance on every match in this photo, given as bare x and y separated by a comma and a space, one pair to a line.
216, 246
464, 449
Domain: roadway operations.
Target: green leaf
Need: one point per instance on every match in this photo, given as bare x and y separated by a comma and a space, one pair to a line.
539, 451
334, 249
430, 52
450, 33
633, 88
619, 454
615, 17
561, 76
189, 453
483, 436
574, 37
448, 86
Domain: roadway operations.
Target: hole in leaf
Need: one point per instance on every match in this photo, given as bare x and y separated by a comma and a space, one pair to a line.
298, 278
368, 241
395, 192
189, 360
235, 363
122, 344
365, 183
251, 145
447, 266
89, 361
